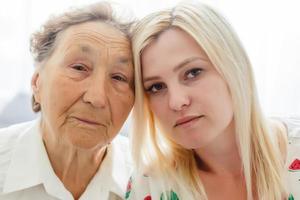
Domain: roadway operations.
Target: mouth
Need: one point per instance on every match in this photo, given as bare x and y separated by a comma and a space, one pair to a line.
186, 120
88, 121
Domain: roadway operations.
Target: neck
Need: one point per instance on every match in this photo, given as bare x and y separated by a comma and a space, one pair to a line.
74, 166
221, 157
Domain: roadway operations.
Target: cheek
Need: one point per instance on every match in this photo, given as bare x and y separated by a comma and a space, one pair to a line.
120, 88
154, 106
221, 103
59, 96
159, 107
228, 107
120, 104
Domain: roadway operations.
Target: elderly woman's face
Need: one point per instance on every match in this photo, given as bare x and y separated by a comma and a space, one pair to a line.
85, 87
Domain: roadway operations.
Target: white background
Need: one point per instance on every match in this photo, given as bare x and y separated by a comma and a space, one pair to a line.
269, 30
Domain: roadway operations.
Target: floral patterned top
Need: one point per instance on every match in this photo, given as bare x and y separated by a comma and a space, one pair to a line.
149, 189
293, 157
145, 194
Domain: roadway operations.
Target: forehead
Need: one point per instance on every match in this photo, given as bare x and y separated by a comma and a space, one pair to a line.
91, 35
171, 47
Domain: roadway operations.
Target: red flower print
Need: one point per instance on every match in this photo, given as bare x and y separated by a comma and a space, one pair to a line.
295, 165
128, 189
128, 186
147, 197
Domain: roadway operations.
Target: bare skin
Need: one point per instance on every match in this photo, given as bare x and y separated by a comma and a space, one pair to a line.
85, 92
193, 105
220, 169
75, 168
182, 84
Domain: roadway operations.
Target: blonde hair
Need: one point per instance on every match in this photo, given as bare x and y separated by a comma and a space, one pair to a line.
262, 167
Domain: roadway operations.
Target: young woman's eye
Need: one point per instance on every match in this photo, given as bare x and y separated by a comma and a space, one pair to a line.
119, 78
193, 73
155, 88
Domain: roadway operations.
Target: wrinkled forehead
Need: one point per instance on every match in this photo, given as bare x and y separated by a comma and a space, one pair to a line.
94, 34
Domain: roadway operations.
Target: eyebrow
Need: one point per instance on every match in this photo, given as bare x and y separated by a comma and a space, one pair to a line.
186, 61
123, 63
177, 67
85, 49
124, 60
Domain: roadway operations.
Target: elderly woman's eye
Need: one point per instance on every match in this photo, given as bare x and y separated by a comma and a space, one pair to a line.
193, 73
79, 67
119, 78
154, 88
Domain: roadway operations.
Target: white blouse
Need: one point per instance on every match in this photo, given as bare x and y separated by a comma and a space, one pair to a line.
26, 172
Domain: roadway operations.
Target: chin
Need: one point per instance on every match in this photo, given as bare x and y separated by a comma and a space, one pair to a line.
193, 144
86, 142
84, 145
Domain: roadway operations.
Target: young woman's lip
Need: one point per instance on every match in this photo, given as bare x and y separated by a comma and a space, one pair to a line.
186, 119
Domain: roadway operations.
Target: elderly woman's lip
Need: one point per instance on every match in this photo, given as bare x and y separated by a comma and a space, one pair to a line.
88, 121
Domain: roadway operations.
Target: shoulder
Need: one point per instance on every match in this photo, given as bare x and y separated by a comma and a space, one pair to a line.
9, 137
293, 158
279, 133
16, 127
288, 129
293, 126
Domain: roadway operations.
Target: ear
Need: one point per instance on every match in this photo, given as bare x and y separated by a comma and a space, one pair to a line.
35, 86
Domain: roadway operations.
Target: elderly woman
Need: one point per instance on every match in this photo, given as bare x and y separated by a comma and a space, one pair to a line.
83, 89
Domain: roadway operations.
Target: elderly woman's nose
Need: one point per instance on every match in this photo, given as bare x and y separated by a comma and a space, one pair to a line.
96, 92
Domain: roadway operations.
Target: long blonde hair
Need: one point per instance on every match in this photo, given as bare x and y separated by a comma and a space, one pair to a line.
262, 167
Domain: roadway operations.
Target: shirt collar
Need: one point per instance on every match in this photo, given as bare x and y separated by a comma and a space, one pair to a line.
30, 165
113, 174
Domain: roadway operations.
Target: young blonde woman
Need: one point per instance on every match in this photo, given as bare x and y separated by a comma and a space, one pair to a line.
200, 132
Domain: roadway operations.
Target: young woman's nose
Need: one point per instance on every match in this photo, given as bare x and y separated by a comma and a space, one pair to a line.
178, 98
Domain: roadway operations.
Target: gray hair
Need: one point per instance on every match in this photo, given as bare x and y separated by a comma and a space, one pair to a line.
42, 42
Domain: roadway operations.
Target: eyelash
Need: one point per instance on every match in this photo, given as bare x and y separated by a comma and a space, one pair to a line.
150, 89
81, 66
197, 72
118, 77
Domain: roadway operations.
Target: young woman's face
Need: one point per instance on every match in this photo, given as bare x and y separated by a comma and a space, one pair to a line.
190, 100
